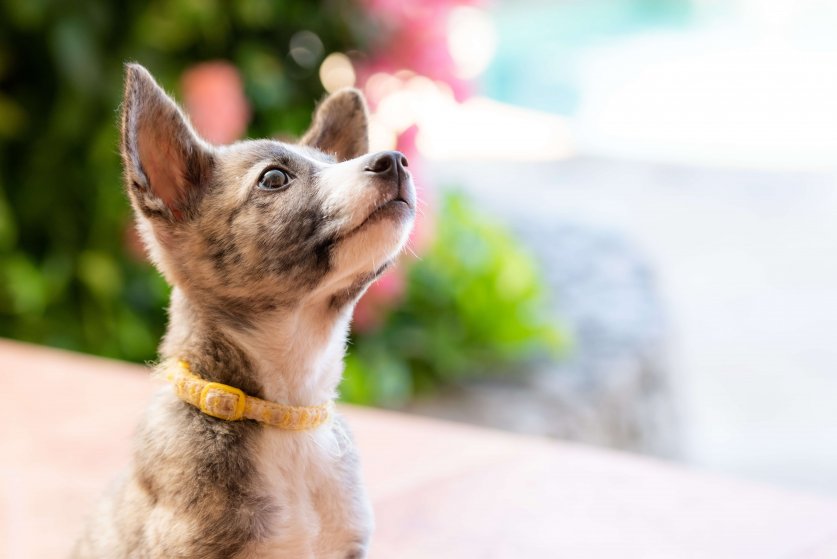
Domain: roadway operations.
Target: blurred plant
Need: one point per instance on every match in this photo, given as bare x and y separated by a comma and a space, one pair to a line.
66, 278
72, 273
473, 305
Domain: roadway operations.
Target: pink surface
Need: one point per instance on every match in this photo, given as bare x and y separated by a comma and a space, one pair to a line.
440, 490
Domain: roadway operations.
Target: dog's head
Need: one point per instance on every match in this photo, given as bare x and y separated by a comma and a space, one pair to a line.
263, 224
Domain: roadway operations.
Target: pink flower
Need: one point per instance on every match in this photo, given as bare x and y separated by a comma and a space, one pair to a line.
213, 94
414, 36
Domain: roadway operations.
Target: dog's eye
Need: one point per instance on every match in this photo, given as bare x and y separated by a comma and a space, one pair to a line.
274, 179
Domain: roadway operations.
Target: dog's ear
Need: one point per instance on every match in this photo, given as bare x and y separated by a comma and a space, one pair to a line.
340, 125
165, 162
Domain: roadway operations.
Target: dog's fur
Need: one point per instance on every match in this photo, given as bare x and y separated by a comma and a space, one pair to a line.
264, 283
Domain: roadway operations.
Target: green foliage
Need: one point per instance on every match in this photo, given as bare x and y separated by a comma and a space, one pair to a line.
66, 277
474, 305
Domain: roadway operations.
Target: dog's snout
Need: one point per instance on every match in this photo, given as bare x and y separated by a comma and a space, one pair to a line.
389, 164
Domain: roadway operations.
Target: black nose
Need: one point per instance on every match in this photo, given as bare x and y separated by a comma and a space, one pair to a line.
388, 164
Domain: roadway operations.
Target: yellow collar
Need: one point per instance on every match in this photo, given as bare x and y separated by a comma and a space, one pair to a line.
231, 404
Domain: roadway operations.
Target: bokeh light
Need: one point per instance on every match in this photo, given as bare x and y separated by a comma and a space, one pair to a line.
336, 71
472, 40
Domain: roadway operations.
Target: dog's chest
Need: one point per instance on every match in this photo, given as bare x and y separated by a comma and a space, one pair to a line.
310, 495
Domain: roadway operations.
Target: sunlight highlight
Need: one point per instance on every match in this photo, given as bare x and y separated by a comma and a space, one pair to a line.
337, 71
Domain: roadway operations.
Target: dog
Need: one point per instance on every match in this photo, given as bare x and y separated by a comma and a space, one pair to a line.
267, 245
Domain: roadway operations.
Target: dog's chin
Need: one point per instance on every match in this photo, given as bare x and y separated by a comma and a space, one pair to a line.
376, 241
396, 214
397, 210
394, 220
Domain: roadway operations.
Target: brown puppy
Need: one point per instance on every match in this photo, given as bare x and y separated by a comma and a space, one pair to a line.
268, 246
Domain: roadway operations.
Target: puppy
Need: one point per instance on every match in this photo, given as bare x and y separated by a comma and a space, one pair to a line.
267, 246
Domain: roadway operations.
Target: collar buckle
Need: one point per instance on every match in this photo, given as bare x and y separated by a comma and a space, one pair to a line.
215, 401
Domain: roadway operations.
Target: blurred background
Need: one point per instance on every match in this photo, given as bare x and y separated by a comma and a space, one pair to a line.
627, 237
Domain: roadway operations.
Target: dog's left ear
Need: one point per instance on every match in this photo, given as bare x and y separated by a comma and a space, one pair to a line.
165, 161
340, 125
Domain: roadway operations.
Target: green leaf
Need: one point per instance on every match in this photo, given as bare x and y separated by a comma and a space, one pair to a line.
100, 273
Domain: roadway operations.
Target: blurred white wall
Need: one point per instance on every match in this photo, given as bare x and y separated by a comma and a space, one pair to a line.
712, 144
756, 88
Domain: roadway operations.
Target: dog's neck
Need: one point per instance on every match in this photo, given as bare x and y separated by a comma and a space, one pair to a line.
293, 356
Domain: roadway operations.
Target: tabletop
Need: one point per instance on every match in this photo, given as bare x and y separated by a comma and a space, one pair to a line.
439, 490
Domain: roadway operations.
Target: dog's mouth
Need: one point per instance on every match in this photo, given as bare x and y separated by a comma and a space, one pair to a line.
394, 208
395, 203
401, 205
398, 208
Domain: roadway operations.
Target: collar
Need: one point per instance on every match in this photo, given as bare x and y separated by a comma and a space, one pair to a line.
231, 404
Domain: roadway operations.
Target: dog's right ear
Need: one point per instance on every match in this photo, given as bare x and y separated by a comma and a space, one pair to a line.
340, 126
166, 163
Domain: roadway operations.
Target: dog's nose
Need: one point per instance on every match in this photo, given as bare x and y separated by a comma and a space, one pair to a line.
389, 164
